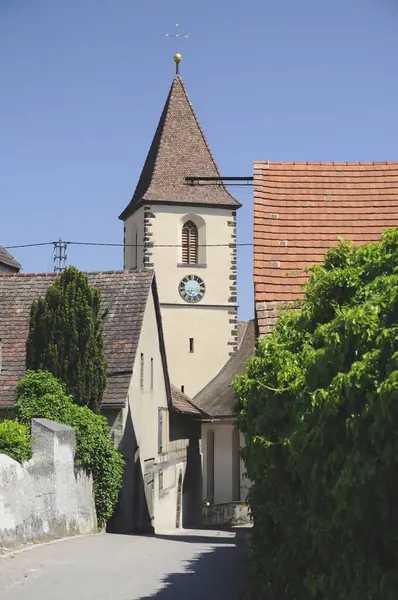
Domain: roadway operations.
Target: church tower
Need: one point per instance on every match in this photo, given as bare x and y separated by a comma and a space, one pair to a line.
187, 234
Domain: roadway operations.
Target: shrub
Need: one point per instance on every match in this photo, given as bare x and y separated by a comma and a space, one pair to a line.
15, 440
65, 337
318, 406
41, 395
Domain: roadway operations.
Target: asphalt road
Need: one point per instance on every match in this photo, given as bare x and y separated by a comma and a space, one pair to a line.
191, 564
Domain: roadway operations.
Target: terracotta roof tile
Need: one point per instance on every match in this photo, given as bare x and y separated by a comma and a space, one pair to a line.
124, 293
302, 209
179, 149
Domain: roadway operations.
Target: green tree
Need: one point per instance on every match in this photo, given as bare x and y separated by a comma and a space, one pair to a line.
66, 338
318, 407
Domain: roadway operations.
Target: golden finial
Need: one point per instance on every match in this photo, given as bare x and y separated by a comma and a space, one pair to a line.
177, 55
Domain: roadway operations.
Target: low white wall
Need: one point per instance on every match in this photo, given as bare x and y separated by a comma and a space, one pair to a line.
46, 497
167, 497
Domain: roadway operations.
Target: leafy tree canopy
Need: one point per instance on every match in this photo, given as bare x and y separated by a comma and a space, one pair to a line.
318, 406
65, 337
15, 440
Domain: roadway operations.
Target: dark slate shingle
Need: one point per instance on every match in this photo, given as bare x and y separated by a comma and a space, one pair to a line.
179, 149
183, 403
124, 293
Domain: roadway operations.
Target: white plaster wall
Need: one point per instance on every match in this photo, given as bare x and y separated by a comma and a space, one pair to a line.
211, 330
209, 322
223, 462
144, 405
46, 497
166, 498
132, 223
144, 402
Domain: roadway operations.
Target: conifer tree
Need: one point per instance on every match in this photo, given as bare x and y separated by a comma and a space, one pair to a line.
66, 338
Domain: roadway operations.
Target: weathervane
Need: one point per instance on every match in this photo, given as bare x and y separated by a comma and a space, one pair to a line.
177, 56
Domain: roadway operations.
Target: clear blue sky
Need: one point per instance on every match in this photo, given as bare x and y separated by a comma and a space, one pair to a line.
83, 83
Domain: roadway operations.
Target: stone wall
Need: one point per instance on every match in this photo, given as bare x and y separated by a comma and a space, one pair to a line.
227, 514
46, 497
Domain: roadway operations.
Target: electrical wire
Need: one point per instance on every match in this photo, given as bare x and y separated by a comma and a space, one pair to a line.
121, 245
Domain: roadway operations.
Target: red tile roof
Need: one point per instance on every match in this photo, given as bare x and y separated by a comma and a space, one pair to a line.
302, 209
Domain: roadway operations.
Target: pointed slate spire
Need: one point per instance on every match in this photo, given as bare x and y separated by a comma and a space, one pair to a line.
179, 150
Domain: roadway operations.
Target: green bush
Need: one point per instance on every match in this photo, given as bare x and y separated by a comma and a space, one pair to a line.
15, 440
318, 406
41, 395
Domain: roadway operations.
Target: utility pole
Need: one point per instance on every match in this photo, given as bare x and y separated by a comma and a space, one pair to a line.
59, 256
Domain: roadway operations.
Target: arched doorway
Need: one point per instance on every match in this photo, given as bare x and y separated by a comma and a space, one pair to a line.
179, 501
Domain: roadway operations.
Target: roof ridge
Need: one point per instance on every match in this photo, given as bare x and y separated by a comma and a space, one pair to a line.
53, 274
331, 163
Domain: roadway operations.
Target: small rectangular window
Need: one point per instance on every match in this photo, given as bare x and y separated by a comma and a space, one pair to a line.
142, 371
191, 345
151, 373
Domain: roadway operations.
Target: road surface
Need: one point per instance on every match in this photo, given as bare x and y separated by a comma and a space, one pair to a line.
189, 565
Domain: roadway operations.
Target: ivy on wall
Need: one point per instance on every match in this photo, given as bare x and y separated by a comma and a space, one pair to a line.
318, 407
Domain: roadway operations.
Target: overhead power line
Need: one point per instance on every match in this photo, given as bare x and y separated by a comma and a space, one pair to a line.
121, 245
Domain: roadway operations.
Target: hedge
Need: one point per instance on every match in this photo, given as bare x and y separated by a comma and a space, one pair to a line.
41, 395
15, 440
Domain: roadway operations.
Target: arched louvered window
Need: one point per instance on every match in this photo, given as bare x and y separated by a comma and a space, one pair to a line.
189, 243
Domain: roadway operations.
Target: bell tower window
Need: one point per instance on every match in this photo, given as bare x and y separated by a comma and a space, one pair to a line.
189, 239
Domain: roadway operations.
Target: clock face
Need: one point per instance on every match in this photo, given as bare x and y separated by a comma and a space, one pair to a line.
192, 288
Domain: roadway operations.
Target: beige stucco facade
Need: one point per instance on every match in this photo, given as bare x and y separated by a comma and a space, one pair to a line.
224, 477
156, 464
201, 336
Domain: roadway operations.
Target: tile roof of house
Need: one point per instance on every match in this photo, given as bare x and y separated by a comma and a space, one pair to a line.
302, 209
8, 260
179, 149
217, 398
124, 293
182, 403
